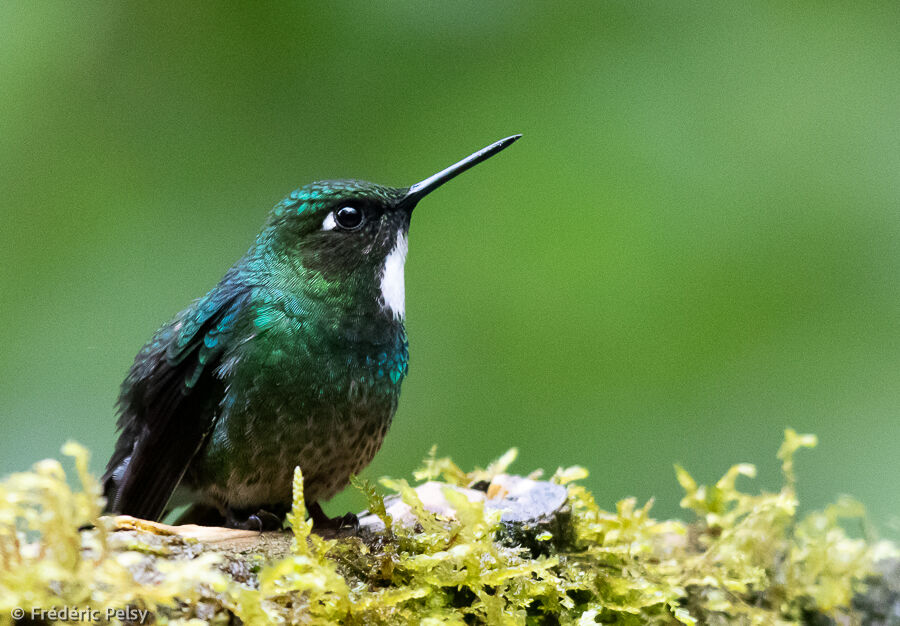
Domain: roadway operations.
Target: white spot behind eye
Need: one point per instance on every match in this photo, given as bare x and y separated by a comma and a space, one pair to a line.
329, 223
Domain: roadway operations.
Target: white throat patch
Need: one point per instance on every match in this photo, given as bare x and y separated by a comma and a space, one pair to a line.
393, 289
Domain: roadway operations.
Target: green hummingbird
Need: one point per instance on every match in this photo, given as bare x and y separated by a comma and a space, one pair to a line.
296, 357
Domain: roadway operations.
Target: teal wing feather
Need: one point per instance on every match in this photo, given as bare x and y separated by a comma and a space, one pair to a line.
169, 402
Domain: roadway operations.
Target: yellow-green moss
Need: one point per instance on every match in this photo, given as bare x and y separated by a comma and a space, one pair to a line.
745, 559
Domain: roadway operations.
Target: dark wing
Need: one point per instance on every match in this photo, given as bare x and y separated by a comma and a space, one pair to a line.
168, 403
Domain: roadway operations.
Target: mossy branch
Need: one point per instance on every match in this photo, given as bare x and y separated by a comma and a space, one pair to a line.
746, 558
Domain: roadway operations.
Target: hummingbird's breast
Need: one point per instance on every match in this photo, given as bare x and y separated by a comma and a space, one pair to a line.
315, 392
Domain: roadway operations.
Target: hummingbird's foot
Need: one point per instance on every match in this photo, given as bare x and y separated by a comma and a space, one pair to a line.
260, 521
346, 524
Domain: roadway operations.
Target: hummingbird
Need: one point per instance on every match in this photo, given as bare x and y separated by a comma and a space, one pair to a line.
295, 358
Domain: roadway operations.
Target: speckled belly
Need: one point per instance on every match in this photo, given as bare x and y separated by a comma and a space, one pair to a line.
331, 425
249, 464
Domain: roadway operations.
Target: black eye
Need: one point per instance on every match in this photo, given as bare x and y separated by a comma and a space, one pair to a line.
349, 217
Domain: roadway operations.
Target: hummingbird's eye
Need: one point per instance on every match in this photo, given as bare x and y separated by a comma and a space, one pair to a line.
349, 217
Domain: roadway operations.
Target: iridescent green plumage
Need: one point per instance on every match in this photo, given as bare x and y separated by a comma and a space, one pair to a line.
296, 357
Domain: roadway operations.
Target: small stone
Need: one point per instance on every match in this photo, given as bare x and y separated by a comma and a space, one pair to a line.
533, 513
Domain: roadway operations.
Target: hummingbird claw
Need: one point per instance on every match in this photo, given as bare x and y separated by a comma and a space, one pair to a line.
346, 524
260, 521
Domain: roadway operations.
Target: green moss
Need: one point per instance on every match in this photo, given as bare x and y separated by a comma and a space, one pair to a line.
746, 558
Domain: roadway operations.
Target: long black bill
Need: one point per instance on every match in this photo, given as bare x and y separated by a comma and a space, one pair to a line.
420, 190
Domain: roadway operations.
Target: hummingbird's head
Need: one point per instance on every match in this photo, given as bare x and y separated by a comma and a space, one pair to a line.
340, 229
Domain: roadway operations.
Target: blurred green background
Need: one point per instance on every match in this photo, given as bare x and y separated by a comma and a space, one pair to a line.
696, 244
